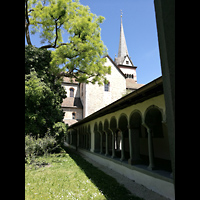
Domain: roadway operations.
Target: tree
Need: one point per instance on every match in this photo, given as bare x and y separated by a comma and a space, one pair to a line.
82, 54
43, 94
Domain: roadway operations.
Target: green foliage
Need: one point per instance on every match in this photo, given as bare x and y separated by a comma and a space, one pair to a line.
37, 147
59, 129
39, 59
43, 93
82, 53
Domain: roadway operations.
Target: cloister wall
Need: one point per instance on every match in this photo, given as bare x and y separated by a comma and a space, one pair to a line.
160, 143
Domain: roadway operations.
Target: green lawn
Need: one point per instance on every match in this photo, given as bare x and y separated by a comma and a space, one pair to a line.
68, 176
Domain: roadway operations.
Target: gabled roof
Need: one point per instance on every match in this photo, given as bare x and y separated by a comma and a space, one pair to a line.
116, 66
72, 102
70, 80
129, 59
131, 84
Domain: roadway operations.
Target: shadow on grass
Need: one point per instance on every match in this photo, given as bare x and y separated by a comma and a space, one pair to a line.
111, 189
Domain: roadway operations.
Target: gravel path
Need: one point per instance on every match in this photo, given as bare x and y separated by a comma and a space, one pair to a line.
134, 188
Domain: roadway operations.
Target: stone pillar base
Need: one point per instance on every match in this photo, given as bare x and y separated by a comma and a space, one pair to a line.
150, 167
113, 156
133, 162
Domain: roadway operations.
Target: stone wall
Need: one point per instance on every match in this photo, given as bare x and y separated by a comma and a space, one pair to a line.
97, 98
68, 115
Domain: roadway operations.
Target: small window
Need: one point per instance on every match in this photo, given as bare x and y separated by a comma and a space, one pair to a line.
73, 115
71, 92
107, 87
127, 62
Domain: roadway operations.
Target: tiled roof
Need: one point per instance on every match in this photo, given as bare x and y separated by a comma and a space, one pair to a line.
70, 80
72, 102
131, 84
70, 121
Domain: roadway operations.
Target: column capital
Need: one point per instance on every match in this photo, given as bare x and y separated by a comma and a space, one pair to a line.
143, 124
129, 127
164, 122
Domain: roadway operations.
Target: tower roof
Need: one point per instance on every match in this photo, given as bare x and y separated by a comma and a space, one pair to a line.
123, 50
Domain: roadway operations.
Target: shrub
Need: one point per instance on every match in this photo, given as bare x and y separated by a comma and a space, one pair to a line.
59, 130
37, 147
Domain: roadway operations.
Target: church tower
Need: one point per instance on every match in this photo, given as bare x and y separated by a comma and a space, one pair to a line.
123, 61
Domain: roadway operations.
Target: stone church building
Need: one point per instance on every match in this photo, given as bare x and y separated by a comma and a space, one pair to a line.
85, 99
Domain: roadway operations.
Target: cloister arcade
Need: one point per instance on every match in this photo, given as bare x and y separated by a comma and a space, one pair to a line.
130, 136
133, 135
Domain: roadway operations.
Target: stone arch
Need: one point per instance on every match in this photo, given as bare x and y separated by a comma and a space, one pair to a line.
135, 119
154, 107
95, 127
156, 140
123, 122
114, 130
106, 125
100, 126
135, 127
153, 118
113, 124
123, 126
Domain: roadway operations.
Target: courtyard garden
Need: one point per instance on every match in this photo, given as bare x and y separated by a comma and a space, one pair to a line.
66, 175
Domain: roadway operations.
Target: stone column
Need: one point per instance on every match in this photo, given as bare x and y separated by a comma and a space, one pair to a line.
89, 141
78, 135
151, 151
77, 139
122, 145
96, 142
150, 148
113, 144
101, 142
134, 146
106, 154
87, 145
70, 137
165, 20
130, 160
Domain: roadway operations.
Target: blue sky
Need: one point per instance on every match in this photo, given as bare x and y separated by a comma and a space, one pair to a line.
140, 32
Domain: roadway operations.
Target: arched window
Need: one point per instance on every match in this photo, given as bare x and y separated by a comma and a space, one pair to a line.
71, 92
73, 115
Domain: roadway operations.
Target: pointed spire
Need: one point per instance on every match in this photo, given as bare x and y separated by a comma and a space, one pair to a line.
122, 51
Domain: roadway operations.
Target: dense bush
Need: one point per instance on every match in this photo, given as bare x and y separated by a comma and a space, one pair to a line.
37, 147
59, 130
43, 93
